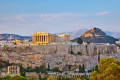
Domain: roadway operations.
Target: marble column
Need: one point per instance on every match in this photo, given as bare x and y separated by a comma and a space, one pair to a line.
45, 38
36, 38
40, 38
50, 38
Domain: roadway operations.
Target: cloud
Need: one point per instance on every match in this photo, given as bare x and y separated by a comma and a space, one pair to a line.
51, 22
21, 19
36, 18
25, 24
103, 13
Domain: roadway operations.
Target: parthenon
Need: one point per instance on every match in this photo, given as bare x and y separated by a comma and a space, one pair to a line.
43, 38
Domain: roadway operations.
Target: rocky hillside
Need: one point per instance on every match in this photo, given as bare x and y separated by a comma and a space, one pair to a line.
77, 33
10, 37
96, 35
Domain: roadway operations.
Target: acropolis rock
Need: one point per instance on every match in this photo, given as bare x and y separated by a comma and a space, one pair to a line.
57, 55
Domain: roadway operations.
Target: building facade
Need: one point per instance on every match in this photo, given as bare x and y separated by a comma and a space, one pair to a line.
13, 70
43, 38
31, 74
68, 74
10, 70
3, 72
118, 42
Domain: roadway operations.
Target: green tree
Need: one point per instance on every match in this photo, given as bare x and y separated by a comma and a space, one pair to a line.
22, 70
37, 69
5, 78
79, 41
96, 68
18, 78
32, 78
80, 69
88, 42
79, 53
48, 68
83, 68
29, 69
55, 69
98, 57
71, 52
109, 69
43, 69
69, 67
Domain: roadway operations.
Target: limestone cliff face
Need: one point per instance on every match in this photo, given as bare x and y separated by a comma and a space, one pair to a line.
91, 49
96, 35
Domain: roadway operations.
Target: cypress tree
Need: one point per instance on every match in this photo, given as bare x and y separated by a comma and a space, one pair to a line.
69, 67
98, 56
83, 68
48, 67
80, 69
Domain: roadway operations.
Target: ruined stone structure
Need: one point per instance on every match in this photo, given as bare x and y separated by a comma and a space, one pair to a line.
43, 38
13, 70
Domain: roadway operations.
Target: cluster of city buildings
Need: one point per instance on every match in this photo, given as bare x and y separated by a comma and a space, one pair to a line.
15, 70
10, 70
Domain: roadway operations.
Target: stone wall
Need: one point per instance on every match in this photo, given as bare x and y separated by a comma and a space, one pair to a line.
84, 49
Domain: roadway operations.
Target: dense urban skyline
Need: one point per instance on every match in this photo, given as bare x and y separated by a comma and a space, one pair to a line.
28, 16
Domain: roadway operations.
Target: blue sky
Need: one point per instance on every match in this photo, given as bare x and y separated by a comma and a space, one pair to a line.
24, 17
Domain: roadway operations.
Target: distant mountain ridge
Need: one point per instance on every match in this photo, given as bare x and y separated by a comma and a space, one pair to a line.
113, 34
77, 33
10, 37
96, 35
73, 35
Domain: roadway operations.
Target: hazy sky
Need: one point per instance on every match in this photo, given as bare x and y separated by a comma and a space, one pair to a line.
24, 17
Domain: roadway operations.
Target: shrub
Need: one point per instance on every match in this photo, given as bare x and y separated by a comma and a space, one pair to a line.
79, 53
